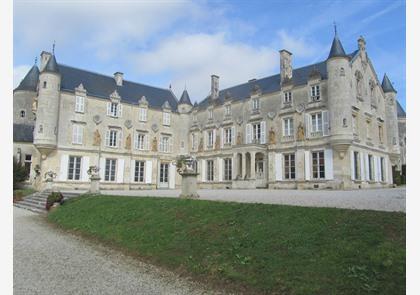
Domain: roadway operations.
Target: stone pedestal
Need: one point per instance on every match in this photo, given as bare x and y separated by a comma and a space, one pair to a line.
94, 184
189, 185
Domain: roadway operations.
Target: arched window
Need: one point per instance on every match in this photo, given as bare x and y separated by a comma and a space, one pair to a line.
22, 114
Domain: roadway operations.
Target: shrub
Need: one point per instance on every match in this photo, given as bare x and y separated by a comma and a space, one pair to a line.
54, 197
19, 173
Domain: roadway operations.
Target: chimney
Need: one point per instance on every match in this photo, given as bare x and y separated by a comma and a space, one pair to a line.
286, 70
118, 76
45, 57
214, 86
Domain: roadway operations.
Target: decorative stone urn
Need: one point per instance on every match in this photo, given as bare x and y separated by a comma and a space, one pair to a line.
93, 173
187, 168
49, 178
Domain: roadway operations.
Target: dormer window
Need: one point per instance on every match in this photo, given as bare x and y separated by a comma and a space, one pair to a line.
166, 119
228, 110
211, 114
288, 97
255, 104
114, 109
80, 104
143, 114
315, 93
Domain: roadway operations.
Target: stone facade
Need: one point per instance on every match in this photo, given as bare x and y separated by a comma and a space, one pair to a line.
328, 125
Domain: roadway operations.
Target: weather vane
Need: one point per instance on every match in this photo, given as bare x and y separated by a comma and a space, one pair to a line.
335, 28
53, 48
36, 60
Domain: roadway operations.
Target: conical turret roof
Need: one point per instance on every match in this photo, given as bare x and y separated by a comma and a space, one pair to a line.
185, 98
337, 49
52, 65
30, 81
387, 85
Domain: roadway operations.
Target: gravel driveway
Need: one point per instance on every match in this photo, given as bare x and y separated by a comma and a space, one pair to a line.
389, 199
48, 261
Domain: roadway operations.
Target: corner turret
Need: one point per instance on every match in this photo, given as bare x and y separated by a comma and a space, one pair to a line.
391, 119
184, 104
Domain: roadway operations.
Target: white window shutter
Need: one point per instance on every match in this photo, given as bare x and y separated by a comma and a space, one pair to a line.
82, 106
146, 142
203, 170
362, 167
120, 171
171, 144
132, 169
233, 135
220, 167
171, 175
148, 172
222, 137
160, 144
120, 110
214, 138
307, 125
136, 141
262, 132
119, 138
80, 138
329, 167
325, 123
107, 137
307, 165
108, 108
367, 166
64, 166
352, 165
102, 168
74, 137
379, 169
85, 168
248, 133
278, 159
376, 166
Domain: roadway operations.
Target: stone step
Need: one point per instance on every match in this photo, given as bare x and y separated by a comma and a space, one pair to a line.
33, 209
36, 198
36, 202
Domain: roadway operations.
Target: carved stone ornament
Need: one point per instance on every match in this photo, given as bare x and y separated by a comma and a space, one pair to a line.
239, 120
128, 124
154, 144
271, 115
272, 136
96, 138
166, 106
143, 101
201, 145
128, 142
217, 143
300, 132
239, 138
155, 127
97, 119
300, 108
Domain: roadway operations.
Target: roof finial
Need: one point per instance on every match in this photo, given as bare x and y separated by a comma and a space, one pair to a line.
53, 48
185, 85
335, 29
36, 60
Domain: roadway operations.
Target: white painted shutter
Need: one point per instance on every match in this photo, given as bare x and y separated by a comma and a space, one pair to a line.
367, 166
375, 164
307, 125
102, 168
352, 165
222, 137
233, 136
262, 132
171, 175
120, 171
136, 141
362, 166
148, 172
64, 165
120, 110
307, 166
203, 170
132, 169
325, 123
108, 109
107, 137
85, 168
119, 138
379, 169
220, 167
74, 139
214, 138
146, 142
329, 168
248, 133
278, 164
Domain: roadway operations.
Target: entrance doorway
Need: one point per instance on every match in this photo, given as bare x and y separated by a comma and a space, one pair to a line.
164, 175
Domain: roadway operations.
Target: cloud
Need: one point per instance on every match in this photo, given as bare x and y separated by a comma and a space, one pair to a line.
19, 73
191, 59
298, 45
380, 13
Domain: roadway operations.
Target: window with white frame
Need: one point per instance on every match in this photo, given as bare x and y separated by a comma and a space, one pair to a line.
113, 138
228, 110
194, 117
228, 169
210, 170
255, 104
288, 127
113, 109
141, 141
165, 144
110, 168
287, 97
210, 139
318, 165
77, 134
210, 114
256, 132
73, 171
371, 175
193, 141
143, 115
139, 171
382, 163
80, 104
315, 93
356, 165
289, 166
227, 135
316, 122
166, 118
28, 164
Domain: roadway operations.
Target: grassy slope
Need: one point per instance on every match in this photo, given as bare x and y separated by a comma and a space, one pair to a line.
256, 247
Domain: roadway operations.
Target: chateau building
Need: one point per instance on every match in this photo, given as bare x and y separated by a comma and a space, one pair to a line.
327, 125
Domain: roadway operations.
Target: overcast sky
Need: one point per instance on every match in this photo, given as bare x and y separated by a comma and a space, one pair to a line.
182, 43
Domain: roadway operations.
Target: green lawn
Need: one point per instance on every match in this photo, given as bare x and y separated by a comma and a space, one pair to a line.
253, 248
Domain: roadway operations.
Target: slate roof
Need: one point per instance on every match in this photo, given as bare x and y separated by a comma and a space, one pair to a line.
387, 85
51, 65
30, 81
337, 49
266, 85
23, 133
400, 111
185, 98
102, 86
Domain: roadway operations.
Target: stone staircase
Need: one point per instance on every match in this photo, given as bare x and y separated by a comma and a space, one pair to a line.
37, 201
